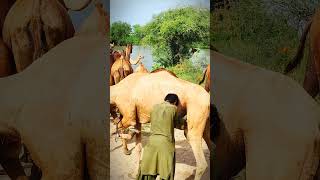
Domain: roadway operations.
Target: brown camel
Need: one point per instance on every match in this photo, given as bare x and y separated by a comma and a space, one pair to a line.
206, 76
77, 127
135, 106
141, 68
269, 124
312, 76
7, 66
9, 154
33, 27
121, 68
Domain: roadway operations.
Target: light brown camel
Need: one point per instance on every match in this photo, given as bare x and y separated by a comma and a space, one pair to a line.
141, 68
311, 81
49, 103
33, 27
206, 76
269, 124
121, 68
91, 45
117, 120
135, 106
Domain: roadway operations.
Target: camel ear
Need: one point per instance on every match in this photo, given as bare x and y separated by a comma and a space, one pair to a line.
76, 5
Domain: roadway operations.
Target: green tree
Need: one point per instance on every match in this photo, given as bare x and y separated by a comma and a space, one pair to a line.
137, 34
172, 33
120, 33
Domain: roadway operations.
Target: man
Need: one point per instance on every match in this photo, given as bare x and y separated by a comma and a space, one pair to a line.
159, 154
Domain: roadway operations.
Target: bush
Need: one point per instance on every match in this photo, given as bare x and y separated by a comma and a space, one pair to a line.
248, 32
172, 33
187, 71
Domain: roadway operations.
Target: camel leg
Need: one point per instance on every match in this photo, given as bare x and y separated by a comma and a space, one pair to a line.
111, 80
13, 168
116, 77
206, 137
22, 50
9, 159
125, 146
196, 145
35, 172
138, 150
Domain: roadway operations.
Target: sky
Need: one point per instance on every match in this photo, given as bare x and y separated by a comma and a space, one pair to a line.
141, 11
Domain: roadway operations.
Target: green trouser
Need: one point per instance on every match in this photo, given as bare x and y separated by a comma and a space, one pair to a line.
153, 177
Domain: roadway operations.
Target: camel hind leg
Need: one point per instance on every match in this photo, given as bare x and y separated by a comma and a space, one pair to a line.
196, 126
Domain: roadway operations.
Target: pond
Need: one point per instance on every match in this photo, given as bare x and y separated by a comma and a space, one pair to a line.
200, 58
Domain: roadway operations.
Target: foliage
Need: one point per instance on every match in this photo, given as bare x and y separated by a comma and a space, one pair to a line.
172, 33
120, 33
137, 34
250, 32
187, 71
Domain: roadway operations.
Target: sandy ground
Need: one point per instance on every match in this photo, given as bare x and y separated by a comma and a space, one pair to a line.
121, 164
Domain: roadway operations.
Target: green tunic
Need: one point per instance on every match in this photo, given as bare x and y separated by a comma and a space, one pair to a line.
159, 154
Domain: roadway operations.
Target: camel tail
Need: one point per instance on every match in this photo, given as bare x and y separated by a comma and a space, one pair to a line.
203, 76
297, 59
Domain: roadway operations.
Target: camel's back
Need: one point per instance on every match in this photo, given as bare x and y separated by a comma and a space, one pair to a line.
262, 97
151, 89
56, 72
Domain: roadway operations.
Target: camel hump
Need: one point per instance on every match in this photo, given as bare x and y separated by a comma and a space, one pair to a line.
164, 69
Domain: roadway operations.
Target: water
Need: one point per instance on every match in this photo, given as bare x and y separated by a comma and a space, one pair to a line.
147, 61
201, 58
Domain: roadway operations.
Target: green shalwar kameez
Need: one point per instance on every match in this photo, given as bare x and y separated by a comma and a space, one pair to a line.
159, 154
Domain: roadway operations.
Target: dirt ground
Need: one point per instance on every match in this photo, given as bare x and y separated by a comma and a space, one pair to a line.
121, 164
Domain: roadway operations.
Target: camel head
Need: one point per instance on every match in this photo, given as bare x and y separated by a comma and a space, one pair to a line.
139, 58
128, 51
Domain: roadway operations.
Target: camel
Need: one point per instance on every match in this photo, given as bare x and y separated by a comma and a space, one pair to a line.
141, 68
269, 124
95, 138
7, 66
206, 76
33, 27
135, 106
121, 68
77, 127
312, 76
117, 120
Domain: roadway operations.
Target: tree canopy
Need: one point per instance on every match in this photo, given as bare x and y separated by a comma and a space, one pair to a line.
172, 33
120, 32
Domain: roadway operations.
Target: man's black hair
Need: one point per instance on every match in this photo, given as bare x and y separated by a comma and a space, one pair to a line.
172, 98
